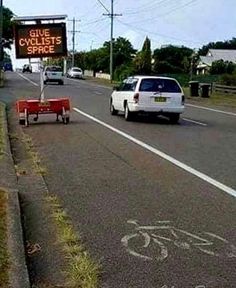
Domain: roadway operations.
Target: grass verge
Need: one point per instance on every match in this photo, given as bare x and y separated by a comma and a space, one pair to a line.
26, 139
4, 257
81, 270
216, 99
2, 138
101, 81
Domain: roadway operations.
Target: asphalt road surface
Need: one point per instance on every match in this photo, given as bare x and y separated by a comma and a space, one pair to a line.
154, 202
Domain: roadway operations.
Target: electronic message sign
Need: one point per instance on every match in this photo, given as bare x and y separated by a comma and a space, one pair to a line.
40, 40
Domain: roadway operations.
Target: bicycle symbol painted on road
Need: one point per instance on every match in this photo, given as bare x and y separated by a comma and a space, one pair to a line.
162, 235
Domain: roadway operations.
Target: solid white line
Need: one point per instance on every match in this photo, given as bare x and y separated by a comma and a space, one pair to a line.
32, 82
75, 80
183, 166
195, 122
210, 109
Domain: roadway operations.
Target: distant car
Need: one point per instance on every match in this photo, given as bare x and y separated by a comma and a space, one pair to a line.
27, 68
7, 67
148, 94
53, 74
75, 72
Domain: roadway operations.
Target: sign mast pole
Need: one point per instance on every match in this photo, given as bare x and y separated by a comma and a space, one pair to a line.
41, 74
41, 81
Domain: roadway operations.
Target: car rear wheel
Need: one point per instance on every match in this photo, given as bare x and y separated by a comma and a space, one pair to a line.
174, 118
113, 111
128, 114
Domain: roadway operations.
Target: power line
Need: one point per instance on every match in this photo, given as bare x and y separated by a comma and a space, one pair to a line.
157, 17
158, 34
93, 22
147, 8
103, 6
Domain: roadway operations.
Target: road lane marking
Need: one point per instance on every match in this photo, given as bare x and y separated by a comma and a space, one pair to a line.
98, 93
195, 122
32, 82
163, 155
75, 80
89, 83
210, 109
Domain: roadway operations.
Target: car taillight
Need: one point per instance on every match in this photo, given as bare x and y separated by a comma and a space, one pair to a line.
183, 99
136, 97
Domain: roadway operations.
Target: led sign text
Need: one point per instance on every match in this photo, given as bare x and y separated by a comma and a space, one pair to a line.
44, 40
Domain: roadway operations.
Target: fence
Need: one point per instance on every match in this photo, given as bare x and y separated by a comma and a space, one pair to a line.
224, 88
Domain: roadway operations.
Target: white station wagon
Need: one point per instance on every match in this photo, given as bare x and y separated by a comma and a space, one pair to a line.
53, 74
148, 94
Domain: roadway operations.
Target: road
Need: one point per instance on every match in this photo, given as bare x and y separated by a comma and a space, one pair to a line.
155, 202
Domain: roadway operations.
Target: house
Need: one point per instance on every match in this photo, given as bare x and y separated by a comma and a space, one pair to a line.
205, 62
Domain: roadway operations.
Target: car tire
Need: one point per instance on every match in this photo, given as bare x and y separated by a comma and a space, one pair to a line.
174, 118
45, 82
128, 114
61, 83
113, 111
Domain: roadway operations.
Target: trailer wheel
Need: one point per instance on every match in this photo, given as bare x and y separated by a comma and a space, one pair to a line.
22, 121
66, 119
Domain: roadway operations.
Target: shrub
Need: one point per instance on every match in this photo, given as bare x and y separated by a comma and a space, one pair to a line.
227, 79
221, 67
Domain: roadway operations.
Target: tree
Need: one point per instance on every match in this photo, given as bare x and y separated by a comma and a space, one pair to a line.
172, 59
99, 59
7, 27
143, 60
228, 44
123, 51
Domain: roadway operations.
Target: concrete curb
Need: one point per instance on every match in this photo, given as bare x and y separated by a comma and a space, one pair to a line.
18, 275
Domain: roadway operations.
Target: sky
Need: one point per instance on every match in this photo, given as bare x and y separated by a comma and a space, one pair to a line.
192, 23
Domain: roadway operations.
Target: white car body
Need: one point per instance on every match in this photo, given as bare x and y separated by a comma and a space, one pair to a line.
53, 74
75, 72
148, 94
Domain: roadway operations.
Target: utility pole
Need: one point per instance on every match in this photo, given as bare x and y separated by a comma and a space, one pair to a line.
73, 44
112, 15
73, 39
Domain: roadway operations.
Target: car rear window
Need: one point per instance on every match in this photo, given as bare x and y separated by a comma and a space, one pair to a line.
158, 84
129, 85
54, 69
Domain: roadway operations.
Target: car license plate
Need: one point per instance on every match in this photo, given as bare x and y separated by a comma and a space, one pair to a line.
160, 99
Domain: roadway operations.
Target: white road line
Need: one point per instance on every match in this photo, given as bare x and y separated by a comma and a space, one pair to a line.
32, 82
75, 80
195, 122
210, 109
174, 161
98, 93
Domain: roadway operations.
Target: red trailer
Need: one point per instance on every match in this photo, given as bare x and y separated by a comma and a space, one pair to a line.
60, 107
